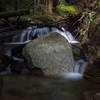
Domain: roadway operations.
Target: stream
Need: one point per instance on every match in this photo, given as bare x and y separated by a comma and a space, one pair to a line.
13, 49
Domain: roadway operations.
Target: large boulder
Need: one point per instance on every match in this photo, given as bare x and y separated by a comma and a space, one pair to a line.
51, 53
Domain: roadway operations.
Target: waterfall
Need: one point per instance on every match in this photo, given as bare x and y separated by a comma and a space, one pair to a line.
66, 34
21, 39
23, 35
40, 31
26, 36
15, 44
80, 66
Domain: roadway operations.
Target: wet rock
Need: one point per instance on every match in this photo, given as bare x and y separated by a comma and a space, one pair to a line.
3, 60
51, 53
93, 71
77, 52
92, 95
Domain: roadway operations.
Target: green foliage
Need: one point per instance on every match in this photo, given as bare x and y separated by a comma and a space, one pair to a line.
87, 18
98, 5
40, 18
67, 9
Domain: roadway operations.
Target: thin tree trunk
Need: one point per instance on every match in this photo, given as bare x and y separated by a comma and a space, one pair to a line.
46, 3
38, 2
50, 7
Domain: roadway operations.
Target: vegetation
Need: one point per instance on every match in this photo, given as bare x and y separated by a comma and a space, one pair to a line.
51, 10
78, 16
67, 9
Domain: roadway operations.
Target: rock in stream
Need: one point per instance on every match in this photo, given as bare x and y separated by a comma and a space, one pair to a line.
51, 53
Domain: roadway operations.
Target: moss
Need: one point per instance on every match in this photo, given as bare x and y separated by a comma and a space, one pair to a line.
67, 9
93, 44
40, 18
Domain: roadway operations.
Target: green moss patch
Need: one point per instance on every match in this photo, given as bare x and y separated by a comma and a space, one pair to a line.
44, 18
67, 9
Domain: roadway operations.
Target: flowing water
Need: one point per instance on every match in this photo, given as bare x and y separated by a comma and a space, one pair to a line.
80, 66
33, 88
67, 86
26, 37
33, 31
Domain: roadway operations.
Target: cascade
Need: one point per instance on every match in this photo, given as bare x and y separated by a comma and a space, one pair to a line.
80, 66
26, 36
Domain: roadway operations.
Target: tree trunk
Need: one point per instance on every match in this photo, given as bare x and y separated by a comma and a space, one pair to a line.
46, 4
38, 2
87, 4
50, 7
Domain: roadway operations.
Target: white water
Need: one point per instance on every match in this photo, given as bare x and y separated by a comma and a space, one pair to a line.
79, 69
13, 44
66, 34
72, 76
23, 35
26, 36
80, 66
40, 31
18, 59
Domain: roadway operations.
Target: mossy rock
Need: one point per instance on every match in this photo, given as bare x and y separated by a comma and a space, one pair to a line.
67, 9
38, 18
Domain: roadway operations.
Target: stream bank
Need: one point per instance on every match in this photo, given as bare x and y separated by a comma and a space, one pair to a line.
92, 52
